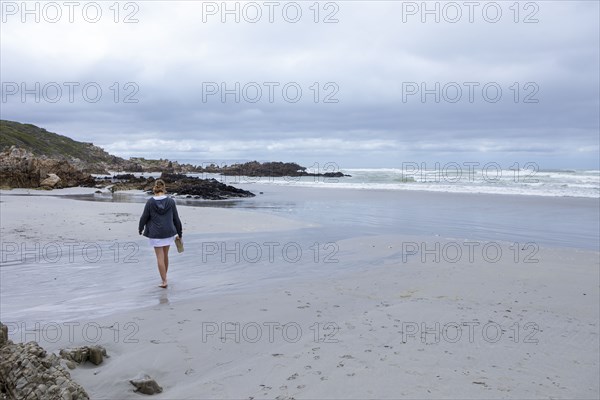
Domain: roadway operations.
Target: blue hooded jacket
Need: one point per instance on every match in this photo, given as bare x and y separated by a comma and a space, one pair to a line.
160, 219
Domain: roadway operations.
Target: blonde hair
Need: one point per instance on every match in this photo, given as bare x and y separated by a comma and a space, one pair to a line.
159, 187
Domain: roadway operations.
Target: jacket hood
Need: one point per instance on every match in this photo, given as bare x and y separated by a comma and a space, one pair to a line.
162, 206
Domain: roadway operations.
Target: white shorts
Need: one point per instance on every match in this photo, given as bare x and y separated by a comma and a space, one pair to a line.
161, 242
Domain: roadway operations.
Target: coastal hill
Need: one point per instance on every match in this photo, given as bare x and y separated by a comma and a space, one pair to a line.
85, 156
41, 143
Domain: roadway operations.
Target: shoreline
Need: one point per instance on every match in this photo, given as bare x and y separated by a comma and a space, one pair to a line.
567, 222
284, 202
247, 183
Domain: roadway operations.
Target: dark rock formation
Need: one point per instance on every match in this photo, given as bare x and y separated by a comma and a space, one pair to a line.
191, 187
163, 166
21, 169
124, 176
209, 189
28, 372
269, 169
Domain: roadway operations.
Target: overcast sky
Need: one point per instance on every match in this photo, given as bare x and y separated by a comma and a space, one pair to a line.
366, 69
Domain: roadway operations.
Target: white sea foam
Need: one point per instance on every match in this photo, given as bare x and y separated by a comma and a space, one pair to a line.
522, 182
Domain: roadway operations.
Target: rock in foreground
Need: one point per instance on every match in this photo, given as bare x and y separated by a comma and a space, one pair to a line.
79, 355
28, 372
146, 385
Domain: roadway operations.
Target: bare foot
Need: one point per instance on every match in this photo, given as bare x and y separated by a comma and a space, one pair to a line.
164, 285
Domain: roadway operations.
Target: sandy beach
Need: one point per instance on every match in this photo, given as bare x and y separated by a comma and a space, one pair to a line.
360, 315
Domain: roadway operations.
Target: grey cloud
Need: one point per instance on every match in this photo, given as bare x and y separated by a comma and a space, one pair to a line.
369, 54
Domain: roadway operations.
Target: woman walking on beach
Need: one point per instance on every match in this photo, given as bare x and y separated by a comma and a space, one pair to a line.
160, 223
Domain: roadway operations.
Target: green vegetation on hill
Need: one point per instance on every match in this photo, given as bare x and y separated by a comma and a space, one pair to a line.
43, 143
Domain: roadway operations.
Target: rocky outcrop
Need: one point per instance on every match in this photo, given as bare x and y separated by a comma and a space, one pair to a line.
269, 169
190, 187
166, 166
209, 189
27, 371
21, 169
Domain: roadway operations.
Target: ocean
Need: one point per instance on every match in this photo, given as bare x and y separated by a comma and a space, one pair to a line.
548, 207
450, 179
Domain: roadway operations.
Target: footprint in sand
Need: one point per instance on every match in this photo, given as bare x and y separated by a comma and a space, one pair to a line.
183, 348
266, 388
291, 378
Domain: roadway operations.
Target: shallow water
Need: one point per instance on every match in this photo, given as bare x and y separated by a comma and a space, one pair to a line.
40, 291
550, 221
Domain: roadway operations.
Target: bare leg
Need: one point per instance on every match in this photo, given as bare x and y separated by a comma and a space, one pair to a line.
166, 258
159, 251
